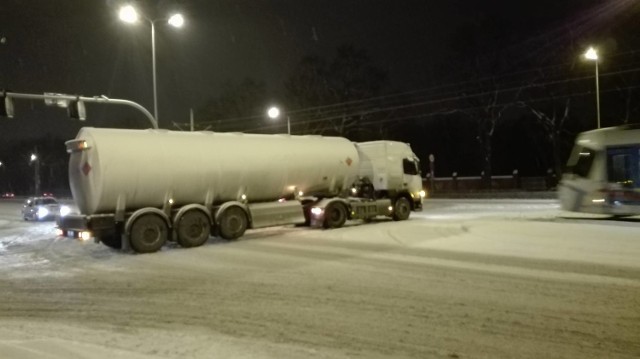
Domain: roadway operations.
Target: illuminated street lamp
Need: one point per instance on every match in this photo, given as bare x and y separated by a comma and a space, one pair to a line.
36, 173
129, 15
592, 55
274, 113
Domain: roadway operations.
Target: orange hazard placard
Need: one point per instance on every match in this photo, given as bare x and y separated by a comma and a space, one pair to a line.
86, 168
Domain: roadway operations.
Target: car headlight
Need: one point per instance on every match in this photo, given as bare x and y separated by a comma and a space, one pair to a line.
316, 211
64, 210
42, 212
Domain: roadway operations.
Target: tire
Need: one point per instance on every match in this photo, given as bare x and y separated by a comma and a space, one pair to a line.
401, 209
233, 223
193, 228
335, 215
148, 233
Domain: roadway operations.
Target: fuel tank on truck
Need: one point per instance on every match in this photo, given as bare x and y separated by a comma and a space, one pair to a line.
145, 168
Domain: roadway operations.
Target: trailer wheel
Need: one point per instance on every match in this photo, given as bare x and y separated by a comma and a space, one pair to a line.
401, 209
335, 215
193, 228
148, 233
233, 223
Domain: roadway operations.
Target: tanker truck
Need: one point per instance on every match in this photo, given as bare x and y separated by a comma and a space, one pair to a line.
137, 189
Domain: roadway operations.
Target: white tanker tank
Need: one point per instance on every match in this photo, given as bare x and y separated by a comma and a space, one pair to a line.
137, 189
147, 167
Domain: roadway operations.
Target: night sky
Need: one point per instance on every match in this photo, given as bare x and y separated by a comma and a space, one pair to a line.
81, 47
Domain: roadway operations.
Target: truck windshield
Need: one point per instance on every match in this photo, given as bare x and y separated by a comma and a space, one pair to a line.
410, 167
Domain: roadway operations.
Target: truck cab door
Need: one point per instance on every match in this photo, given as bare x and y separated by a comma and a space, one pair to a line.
412, 181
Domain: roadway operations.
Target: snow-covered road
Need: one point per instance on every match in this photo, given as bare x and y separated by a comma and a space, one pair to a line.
462, 279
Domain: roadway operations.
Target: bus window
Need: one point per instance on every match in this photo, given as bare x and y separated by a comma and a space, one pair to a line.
622, 165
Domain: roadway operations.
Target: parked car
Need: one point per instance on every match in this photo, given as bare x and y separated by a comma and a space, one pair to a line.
43, 208
8, 195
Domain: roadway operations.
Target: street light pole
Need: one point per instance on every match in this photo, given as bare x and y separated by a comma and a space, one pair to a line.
153, 57
288, 125
274, 113
129, 14
597, 93
591, 54
36, 174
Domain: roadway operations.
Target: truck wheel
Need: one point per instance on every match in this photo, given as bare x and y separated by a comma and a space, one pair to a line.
148, 233
401, 209
193, 228
335, 215
233, 223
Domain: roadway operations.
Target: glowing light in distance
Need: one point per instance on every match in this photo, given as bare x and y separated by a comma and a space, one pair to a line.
273, 112
176, 20
128, 14
591, 54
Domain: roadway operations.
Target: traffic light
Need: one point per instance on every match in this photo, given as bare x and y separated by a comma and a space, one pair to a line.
6, 105
77, 110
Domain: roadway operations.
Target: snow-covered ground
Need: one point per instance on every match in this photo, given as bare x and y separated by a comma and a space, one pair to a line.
462, 279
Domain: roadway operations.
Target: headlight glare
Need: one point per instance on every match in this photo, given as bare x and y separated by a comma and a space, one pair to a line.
64, 210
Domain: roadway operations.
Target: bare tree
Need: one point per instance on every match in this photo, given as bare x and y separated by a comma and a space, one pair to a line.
331, 93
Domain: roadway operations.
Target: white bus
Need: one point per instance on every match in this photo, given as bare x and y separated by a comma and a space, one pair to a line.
603, 172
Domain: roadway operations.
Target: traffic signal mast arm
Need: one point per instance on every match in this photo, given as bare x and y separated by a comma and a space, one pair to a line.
76, 101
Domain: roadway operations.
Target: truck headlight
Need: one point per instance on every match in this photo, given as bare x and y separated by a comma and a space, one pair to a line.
84, 235
422, 193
